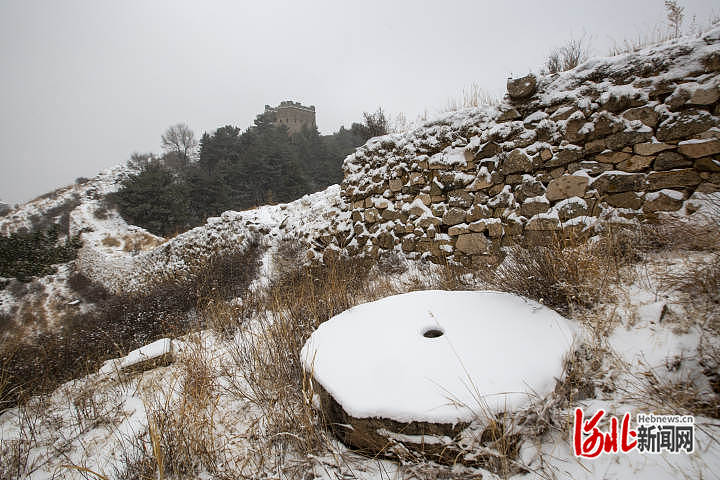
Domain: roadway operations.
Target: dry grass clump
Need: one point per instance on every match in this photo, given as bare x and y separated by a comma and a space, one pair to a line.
684, 397
699, 282
472, 96
110, 241
181, 426
697, 287
138, 242
698, 234
275, 324
566, 274
267, 357
15, 453
654, 36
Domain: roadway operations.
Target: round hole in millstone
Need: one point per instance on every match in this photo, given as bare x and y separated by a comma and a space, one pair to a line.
433, 332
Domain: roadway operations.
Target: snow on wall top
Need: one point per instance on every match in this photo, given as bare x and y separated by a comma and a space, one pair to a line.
607, 132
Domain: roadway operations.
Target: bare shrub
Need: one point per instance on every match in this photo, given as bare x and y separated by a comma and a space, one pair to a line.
569, 56
697, 286
391, 263
679, 396
227, 276
566, 274
447, 276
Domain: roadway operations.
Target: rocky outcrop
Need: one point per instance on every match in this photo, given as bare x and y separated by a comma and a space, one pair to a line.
616, 140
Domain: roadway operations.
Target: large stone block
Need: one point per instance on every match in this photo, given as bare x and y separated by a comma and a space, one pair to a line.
707, 164
699, 148
371, 215
521, 88
572, 208
604, 124
627, 138
454, 216
636, 163
629, 200
645, 114
477, 212
684, 125
566, 186
489, 149
673, 179
460, 198
425, 222
705, 95
671, 160
613, 182
456, 230
395, 184
592, 167
542, 223
533, 207
612, 157
652, 148
473, 243
529, 188
516, 161
565, 156
664, 200
389, 214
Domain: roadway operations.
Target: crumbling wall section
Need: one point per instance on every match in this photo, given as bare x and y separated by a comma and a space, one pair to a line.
616, 140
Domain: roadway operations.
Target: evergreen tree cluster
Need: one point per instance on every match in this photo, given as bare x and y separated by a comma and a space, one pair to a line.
27, 255
239, 170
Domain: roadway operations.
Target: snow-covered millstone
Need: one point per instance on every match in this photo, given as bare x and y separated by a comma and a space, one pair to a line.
416, 369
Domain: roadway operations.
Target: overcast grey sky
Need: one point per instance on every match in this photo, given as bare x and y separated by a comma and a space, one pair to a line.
85, 83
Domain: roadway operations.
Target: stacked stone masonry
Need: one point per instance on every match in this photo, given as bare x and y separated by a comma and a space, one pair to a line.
614, 141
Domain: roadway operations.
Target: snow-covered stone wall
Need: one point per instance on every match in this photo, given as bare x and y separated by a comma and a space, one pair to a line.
617, 139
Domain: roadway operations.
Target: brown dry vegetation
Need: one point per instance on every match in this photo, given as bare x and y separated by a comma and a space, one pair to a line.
114, 324
138, 242
264, 331
110, 241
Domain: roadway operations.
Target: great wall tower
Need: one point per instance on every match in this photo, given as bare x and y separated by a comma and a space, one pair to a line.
293, 115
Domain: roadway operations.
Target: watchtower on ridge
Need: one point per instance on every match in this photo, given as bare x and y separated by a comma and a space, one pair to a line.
293, 115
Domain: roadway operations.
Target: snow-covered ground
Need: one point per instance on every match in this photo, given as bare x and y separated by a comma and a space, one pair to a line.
644, 348
99, 422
